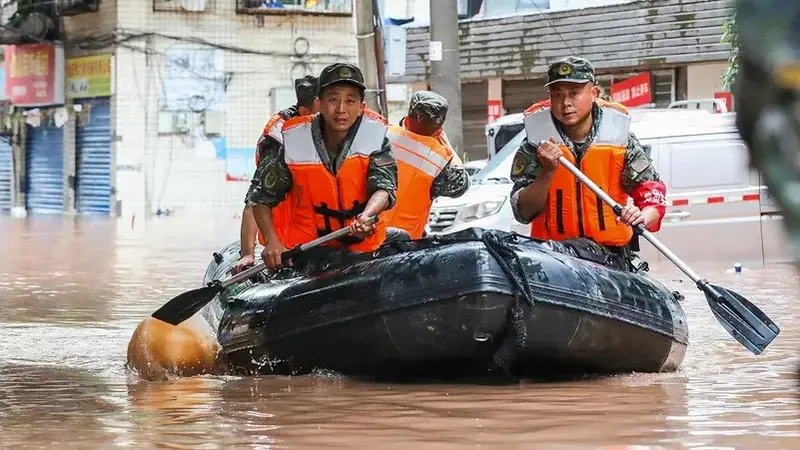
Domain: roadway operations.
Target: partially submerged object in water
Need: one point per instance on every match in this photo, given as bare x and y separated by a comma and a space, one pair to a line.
158, 350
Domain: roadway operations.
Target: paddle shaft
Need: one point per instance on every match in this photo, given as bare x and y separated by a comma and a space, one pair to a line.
340, 233
639, 229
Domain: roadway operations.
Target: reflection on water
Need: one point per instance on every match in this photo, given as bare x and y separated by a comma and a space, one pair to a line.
72, 291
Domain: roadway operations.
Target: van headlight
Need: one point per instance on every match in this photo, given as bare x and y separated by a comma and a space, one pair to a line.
481, 209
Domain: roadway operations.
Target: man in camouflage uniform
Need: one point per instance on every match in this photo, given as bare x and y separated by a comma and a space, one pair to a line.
427, 113
577, 115
271, 142
275, 177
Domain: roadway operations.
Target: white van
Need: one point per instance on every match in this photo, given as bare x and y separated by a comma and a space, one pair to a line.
718, 209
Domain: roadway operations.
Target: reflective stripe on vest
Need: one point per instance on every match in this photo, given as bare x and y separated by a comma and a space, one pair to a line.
420, 159
323, 202
274, 127
424, 153
571, 209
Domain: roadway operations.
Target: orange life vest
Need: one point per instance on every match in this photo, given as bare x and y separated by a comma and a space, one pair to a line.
282, 213
321, 201
420, 159
571, 209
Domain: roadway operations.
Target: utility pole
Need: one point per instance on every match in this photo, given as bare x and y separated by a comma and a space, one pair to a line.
367, 60
445, 77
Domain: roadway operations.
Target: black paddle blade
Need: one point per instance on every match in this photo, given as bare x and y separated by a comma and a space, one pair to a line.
187, 304
742, 319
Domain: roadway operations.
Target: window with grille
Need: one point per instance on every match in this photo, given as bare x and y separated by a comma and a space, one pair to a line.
663, 88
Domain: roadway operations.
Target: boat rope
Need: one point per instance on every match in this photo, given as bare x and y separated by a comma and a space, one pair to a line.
516, 334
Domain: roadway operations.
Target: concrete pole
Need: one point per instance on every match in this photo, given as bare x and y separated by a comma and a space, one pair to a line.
445, 75
367, 61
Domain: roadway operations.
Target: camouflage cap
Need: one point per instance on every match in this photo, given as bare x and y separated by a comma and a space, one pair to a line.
571, 70
306, 89
341, 73
428, 108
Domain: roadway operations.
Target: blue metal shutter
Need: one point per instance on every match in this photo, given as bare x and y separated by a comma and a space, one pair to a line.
5, 174
45, 169
93, 160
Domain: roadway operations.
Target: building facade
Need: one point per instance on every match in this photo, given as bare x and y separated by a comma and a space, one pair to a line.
646, 53
162, 104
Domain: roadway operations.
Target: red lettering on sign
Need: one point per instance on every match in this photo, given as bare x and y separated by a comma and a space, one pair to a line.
32, 71
494, 110
634, 91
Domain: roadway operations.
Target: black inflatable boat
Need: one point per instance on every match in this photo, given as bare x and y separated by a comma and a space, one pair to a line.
472, 303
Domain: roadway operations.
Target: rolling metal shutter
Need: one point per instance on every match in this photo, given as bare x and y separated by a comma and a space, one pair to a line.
473, 117
519, 95
6, 177
93, 160
45, 169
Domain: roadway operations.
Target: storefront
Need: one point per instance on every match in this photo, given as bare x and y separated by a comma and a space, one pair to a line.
89, 85
44, 164
6, 152
650, 88
35, 85
6, 175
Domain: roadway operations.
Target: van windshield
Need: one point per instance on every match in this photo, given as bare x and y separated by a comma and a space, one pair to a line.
505, 134
499, 167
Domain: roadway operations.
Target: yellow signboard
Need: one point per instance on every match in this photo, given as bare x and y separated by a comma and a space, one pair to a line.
89, 76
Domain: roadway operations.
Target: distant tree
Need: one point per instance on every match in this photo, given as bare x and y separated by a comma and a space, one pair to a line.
731, 37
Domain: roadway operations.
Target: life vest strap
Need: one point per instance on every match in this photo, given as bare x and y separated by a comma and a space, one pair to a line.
340, 216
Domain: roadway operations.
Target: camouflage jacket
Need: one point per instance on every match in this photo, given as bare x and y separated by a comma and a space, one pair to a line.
526, 166
273, 180
452, 182
265, 146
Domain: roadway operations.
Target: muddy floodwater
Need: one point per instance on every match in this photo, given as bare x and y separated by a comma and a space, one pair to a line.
72, 292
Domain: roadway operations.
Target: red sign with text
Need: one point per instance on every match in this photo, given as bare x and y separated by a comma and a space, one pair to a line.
634, 91
34, 74
727, 98
494, 110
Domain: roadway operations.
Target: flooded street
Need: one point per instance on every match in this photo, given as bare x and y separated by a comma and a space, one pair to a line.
72, 292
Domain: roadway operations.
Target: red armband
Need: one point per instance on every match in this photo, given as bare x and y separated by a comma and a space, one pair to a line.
651, 194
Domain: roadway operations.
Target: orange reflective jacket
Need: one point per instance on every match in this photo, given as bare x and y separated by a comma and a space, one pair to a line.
571, 209
323, 202
282, 213
420, 159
